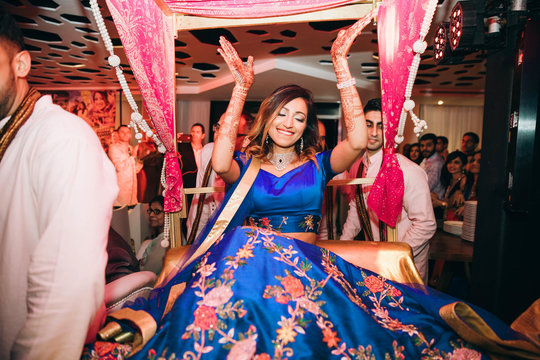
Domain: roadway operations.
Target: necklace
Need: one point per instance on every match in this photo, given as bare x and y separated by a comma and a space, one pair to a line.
280, 161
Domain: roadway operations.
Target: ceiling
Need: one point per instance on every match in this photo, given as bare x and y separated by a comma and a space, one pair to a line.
68, 53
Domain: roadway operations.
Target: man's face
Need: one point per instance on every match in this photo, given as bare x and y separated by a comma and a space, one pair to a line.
467, 144
124, 134
8, 91
427, 147
441, 146
197, 135
375, 131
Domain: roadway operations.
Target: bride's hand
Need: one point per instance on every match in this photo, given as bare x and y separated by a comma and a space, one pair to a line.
345, 38
242, 73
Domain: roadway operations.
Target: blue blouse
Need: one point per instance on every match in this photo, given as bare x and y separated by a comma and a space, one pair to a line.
291, 202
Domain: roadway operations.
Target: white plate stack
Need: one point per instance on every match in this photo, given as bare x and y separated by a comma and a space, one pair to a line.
469, 220
453, 227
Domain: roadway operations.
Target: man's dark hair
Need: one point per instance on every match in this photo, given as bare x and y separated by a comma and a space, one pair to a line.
121, 126
429, 136
474, 136
444, 139
199, 124
10, 31
373, 105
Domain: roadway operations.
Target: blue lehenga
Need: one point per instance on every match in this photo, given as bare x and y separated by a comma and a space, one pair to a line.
257, 294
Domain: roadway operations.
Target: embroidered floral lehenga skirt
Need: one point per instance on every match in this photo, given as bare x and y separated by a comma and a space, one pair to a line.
259, 295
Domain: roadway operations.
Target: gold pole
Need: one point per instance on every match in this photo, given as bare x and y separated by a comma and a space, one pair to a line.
176, 229
391, 233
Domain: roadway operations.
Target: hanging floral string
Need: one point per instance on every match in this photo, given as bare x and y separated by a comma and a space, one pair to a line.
137, 122
418, 47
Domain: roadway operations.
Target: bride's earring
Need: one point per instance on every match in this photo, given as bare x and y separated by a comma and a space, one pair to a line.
266, 140
301, 144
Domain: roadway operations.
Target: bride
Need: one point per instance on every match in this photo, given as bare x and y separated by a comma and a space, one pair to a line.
264, 291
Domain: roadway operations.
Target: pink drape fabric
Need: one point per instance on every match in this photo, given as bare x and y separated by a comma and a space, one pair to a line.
250, 8
399, 23
148, 39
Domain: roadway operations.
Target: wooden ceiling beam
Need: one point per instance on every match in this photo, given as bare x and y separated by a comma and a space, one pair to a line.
347, 12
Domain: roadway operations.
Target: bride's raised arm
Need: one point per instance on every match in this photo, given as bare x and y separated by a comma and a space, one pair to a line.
222, 155
346, 152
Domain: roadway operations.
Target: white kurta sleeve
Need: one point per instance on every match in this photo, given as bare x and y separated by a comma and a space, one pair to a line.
419, 210
74, 186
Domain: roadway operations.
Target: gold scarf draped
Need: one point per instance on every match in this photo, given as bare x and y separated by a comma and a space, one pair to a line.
18, 119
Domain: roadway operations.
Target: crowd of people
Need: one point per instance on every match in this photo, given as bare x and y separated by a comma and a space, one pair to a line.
452, 177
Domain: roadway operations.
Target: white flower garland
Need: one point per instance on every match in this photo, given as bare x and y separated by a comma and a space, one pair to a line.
419, 47
137, 122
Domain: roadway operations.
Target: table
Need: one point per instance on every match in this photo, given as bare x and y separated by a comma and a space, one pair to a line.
448, 247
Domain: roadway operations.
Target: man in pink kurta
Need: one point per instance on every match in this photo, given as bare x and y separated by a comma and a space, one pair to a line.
123, 156
416, 223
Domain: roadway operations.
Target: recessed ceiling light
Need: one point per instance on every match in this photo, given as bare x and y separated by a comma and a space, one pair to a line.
440, 102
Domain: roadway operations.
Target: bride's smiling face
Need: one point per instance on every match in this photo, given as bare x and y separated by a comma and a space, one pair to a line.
289, 125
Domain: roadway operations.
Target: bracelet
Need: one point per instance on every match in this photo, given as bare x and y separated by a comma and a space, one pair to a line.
345, 84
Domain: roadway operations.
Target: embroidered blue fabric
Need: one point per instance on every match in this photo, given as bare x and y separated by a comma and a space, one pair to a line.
291, 202
259, 294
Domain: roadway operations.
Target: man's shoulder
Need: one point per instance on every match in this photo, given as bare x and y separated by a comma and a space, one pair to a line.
409, 167
52, 118
436, 158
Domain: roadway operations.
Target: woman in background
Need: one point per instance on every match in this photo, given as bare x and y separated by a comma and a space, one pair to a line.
453, 178
151, 253
414, 153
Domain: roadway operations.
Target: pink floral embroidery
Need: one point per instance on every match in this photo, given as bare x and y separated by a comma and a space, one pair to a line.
218, 296
243, 349
263, 356
205, 317
374, 284
330, 337
293, 286
265, 222
465, 354
394, 292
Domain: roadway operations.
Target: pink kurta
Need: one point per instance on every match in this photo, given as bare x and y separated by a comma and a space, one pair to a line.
123, 157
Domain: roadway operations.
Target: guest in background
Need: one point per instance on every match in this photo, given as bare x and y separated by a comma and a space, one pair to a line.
322, 136
432, 164
123, 156
471, 188
405, 149
197, 137
151, 252
469, 143
441, 147
453, 178
414, 154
